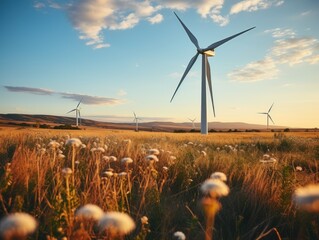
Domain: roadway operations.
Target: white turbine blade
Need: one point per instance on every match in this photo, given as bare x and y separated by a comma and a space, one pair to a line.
190, 35
71, 111
190, 64
262, 113
217, 44
270, 107
134, 115
79, 103
270, 118
80, 117
209, 80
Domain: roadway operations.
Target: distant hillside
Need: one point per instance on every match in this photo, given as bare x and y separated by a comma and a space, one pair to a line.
147, 126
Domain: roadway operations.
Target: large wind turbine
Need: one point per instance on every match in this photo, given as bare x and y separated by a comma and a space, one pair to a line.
205, 52
268, 115
192, 120
77, 113
136, 119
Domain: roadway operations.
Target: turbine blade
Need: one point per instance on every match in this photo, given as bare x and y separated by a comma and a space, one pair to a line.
134, 114
71, 111
217, 44
190, 35
190, 64
270, 107
262, 113
79, 103
270, 118
209, 80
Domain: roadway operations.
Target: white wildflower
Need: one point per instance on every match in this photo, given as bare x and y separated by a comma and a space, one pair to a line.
17, 226
219, 175
179, 235
214, 188
116, 223
89, 211
74, 142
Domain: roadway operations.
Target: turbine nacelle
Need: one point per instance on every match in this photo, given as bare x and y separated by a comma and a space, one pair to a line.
208, 53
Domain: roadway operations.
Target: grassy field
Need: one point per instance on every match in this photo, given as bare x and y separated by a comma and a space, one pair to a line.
258, 206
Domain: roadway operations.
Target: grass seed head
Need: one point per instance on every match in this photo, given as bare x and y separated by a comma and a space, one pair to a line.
74, 142
219, 175
179, 235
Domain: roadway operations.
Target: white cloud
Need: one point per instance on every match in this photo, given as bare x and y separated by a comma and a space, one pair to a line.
255, 71
280, 33
253, 5
92, 17
287, 49
156, 19
121, 92
38, 91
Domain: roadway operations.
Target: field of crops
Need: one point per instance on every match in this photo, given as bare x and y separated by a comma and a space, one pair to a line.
73, 182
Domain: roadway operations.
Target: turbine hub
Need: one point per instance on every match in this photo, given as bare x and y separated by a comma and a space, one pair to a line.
210, 53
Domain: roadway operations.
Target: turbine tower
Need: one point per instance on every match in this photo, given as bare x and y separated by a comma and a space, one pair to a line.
192, 120
77, 113
136, 119
268, 115
205, 52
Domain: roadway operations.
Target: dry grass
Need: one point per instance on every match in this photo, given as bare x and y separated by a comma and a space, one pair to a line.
259, 204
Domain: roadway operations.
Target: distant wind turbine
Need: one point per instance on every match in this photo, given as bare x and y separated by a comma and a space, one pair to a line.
77, 113
268, 115
192, 120
205, 52
136, 119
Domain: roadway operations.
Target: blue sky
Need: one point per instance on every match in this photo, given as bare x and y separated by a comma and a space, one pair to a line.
124, 56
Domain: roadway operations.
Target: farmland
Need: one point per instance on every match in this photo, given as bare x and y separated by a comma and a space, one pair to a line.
165, 189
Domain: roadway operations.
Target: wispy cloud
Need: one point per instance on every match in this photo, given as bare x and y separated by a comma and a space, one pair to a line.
92, 17
254, 5
287, 49
86, 99
91, 100
38, 91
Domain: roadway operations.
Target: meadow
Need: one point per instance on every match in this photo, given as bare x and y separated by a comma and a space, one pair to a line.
156, 179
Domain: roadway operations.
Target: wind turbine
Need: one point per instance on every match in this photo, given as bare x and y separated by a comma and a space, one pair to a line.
268, 115
77, 113
192, 120
205, 52
136, 119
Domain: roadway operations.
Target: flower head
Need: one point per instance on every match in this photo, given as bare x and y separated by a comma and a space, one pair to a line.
151, 158
89, 211
17, 225
126, 160
219, 175
307, 198
179, 235
66, 172
53, 144
153, 151
214, 188
74, 142
116, 223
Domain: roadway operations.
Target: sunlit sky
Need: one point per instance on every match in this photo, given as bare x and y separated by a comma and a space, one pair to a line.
122, 56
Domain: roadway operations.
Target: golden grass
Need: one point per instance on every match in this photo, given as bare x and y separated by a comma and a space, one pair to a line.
259, 203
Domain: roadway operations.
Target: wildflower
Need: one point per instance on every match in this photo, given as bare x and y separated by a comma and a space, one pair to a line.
106, 158
112, 159
153, 151
165, 168
151, 158
298, 169
75, 142
307, 198
105, 147
126, 160
219, 175
270, 160
89, 211
100, 149
61, 156
83, 145
122, 174
53, 144
144, 220
266, 157
127, 141
17, 226
214, 188
179, 235
203, 153
172, 158
116, 223
108, 173
66, 172
190, 143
